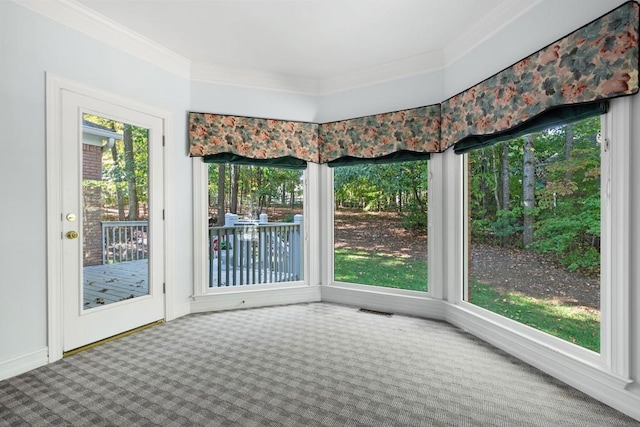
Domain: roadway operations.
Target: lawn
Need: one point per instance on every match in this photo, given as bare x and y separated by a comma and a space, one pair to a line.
370, 268
575, 324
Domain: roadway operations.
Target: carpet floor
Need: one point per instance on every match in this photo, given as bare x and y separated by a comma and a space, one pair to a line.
300, 365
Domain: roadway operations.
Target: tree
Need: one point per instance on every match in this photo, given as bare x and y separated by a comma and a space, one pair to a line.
130, 173
220, 201
528, 190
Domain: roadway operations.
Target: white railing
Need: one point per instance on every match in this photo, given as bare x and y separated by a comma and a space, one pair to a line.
255, 252
124, 241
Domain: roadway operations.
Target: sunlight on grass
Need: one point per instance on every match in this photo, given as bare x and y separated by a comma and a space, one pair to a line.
576, 324
371, 268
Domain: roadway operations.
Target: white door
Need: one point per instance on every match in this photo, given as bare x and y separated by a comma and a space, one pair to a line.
111, 220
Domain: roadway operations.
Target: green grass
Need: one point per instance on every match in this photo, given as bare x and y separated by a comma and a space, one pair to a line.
574, 324
371, 268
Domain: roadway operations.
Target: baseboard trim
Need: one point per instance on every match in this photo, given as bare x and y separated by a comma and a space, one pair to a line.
379, 300
21, 364
603, 386
255, 298
180, 310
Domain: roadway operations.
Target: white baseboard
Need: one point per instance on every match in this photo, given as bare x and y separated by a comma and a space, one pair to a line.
619, 393
180, 310
374, 299
250, 298
21, 364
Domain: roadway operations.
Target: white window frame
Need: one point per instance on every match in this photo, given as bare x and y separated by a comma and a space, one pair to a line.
402, 301
614, 353
202, 293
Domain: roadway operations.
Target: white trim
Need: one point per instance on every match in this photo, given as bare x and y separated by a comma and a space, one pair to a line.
252, 298
24, 363
424, 63
83, 19
200, 174
90, 23
616, 225
167, 154
588, 378
380, 299
235, 76
320, 200
181, 310
491, 24
435, 232
54, 87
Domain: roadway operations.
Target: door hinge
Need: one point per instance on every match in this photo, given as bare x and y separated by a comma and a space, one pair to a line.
163, 214
163, 141
164, 288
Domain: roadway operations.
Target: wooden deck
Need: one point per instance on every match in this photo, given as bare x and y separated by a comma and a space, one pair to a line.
109, 283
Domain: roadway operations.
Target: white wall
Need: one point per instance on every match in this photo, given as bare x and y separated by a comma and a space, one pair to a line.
209, 97
31, 45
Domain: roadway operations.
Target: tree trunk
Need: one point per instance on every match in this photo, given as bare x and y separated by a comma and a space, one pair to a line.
130, 172
568, 148
494, 173
114, 154
505, 175
528, 190
221, 193
233, 204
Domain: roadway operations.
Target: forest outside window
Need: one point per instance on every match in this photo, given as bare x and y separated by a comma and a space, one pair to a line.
255, 225
380, 225
534, 206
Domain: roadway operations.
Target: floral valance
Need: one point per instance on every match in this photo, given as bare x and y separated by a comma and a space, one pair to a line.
574, 74
383, 137
414, 133
570, 79
252, 138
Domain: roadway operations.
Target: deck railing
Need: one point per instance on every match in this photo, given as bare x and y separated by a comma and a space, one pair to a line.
124, 241
255, 252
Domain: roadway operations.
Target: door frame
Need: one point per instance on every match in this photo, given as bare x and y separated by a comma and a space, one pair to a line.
54, 87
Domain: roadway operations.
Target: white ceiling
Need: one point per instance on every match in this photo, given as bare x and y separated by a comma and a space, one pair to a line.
314, 41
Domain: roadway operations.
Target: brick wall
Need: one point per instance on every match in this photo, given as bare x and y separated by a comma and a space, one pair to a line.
92, 204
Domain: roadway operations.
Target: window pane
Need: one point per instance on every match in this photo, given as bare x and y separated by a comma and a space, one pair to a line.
255, 225
534, 214
380, 225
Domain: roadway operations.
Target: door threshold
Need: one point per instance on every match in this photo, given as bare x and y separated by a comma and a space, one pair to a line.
113, 338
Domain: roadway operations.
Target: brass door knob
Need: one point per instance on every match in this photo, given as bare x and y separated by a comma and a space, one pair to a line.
72, 234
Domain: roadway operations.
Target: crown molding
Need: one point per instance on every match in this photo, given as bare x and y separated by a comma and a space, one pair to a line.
505, 13
403, 68
83, 19
80, 18
236, 76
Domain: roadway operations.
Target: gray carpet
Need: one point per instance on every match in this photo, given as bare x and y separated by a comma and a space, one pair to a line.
301, 365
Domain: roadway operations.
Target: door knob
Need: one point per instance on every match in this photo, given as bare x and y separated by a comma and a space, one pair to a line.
72, 234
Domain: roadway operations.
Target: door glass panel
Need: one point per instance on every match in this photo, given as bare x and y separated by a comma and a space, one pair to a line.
115, 211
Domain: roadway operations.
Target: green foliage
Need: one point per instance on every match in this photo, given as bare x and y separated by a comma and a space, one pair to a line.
567, 195
415, 218
372, 268
506, 223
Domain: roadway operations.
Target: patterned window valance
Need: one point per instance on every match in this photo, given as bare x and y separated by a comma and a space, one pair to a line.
220, 138
566, 80
402, 135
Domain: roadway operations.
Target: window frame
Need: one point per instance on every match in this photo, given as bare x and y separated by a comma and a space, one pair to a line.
201, 237
615, 261
329, 212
